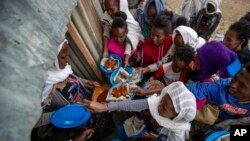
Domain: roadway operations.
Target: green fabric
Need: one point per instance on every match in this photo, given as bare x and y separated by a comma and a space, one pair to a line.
145, 32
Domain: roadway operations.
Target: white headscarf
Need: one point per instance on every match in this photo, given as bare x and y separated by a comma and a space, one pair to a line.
190, 37
134, 30
191, 8
56, 74
185, 106
216, 4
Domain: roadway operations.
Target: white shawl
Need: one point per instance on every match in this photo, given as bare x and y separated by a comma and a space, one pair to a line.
190, 37
56, 74
184, 103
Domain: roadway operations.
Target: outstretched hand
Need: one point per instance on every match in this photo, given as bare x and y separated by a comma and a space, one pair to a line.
138, 90
95, 107
145, 70
93, 84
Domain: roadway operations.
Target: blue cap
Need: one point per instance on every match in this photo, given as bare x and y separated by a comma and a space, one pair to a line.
70, 116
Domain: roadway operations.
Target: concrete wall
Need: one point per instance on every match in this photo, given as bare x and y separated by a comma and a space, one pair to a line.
30, 31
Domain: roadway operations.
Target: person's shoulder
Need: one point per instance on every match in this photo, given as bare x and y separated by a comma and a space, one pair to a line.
223, 81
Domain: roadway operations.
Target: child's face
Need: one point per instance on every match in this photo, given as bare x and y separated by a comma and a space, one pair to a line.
151, 13
178, 40
111, 7
210, 9
166, 107
195, 65
178, 65
232, 41
119, 34
158, 36
240, 85
63, 56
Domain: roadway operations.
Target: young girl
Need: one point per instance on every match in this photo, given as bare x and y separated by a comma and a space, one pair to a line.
237, 38
134, 30
119, 43
157, 45
210, 58
207, 19
173, 109
146, 16
182, 36
176, 69
190, 8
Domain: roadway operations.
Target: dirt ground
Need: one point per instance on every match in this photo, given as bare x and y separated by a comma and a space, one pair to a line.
232, 10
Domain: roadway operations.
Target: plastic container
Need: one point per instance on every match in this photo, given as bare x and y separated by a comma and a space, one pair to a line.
122, 134
112, 76
119, 99
216, 135
100, 91
70, 116
114, 56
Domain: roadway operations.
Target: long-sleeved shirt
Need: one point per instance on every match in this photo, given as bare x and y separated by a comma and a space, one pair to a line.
153, 53
205, 26
128, 105
218, 94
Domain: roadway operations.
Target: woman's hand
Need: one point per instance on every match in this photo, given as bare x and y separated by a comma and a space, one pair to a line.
92, 84
145, 70
138, 90
149, 135
95, 107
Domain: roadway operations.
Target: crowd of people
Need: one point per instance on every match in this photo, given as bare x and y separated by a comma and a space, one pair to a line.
174, 49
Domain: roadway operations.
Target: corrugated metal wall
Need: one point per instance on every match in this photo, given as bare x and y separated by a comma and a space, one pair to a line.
85, 36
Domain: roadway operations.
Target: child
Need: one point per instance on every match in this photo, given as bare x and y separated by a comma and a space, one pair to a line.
207, 19
190, 8
176, 69
146, 16
180, 20
237, 39
182, 36
157, 45
173, 109
112, 7
119, 44
210, 58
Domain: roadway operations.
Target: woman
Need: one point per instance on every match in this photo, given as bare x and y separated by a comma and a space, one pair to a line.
62, 88
211, 58
207, 19
237, 38
146, 16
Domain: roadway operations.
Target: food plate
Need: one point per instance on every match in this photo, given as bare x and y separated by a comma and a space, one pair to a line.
137, 76
70, 116
108, 57
115, 76
119, 92
100, 94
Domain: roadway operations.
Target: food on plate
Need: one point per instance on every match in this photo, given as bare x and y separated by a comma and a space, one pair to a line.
136, 76
111, 64
121, 76
119, 93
